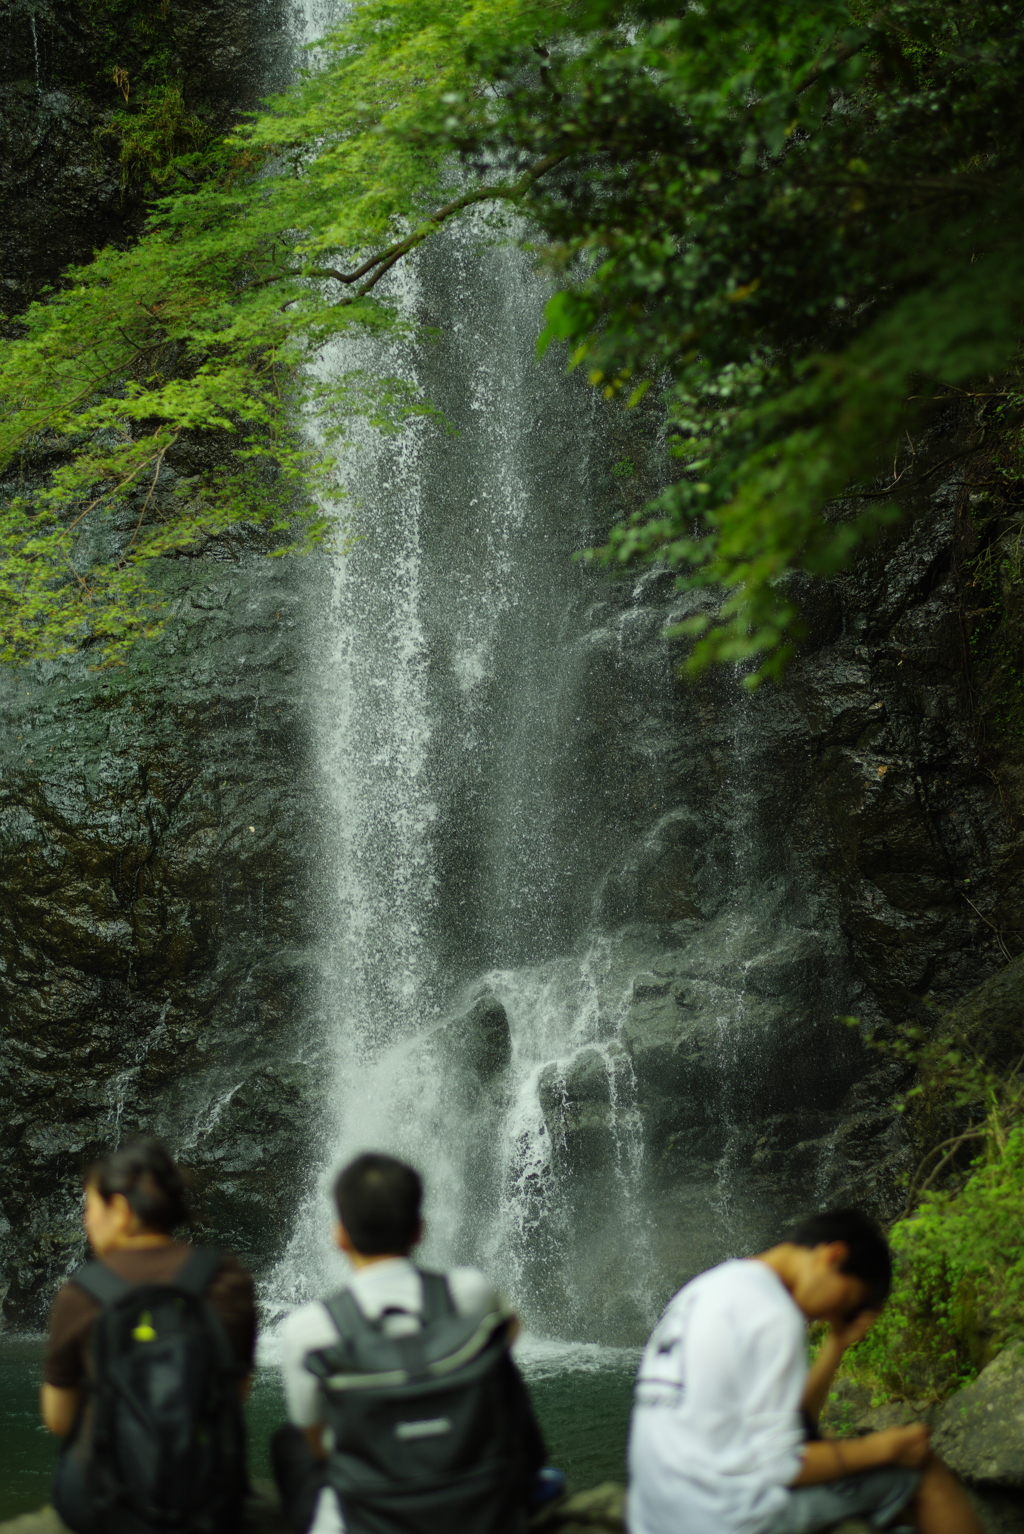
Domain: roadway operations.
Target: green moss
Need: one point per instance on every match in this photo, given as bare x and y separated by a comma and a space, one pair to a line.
158, 143
154, 125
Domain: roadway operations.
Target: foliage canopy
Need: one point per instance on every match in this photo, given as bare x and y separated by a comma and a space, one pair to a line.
785, 220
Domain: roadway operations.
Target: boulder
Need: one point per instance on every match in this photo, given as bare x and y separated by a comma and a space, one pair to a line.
992, 1016
600, 1507
576, 1099
980, 1430
849, 1411
478, 1039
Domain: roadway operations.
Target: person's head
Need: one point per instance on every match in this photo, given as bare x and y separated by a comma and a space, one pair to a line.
136, 1192
378, 1199
844, 1265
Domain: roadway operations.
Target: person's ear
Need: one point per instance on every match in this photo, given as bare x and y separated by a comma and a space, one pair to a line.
421, 1231
342, 1239
123, 1214
834, 1254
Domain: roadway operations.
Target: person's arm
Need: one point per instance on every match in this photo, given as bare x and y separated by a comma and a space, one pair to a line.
822, 1371
305, 1330
59, 1408
233, 1297
314, 1436
72, 1317
833, 1458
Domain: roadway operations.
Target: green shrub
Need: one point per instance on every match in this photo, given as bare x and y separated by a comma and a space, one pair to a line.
959, 1292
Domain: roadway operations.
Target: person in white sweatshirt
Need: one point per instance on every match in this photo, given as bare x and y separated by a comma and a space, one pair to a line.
723, 1436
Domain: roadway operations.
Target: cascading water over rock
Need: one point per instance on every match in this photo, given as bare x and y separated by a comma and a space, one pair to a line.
566, 969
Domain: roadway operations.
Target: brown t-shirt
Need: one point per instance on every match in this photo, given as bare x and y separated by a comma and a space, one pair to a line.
68, 1351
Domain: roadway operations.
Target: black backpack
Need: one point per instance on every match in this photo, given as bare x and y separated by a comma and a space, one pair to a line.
167, 1451
433, 1433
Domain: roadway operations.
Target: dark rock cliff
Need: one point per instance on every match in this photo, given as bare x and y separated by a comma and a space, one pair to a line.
65, 187
155, 840
156, 821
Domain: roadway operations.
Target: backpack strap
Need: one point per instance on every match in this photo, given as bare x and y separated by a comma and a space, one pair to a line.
437, 1297
199, 1271
347, 1316
104, 1285
107, 1287
194, 1279
349, 1319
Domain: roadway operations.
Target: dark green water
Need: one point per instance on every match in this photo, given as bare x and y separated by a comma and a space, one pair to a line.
582, 1397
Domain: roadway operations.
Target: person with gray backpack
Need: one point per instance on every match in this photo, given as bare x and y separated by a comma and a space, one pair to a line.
406, 1412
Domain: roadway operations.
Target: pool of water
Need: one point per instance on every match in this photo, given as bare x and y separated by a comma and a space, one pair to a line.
581, 1393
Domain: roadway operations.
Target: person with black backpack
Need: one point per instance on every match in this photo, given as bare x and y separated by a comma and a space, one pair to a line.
148, 1361
406, 1412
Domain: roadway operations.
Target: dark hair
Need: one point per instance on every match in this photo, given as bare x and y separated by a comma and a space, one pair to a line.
145, 1173
378, 1200
869, 1257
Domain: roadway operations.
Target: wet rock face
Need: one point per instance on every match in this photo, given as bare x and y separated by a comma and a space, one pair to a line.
156, 835
844, 843
61, 186
910, 815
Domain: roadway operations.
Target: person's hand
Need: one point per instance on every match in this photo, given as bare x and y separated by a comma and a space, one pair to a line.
907, 1447
845, 1334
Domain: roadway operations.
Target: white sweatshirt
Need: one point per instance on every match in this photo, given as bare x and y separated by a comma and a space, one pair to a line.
716, 1435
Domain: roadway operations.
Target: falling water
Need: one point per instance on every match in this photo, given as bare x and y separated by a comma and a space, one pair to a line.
565, 967
35, 50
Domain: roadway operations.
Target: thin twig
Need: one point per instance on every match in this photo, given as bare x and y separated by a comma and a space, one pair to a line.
915, 1191
145, 505
990, 923
116, 491
869, 495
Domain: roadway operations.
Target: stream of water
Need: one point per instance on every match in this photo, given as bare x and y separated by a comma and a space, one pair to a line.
546, 863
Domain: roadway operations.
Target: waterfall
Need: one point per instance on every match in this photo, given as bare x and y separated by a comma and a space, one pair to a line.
568, 968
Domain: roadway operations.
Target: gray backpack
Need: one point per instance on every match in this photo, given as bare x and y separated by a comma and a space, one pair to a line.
433, 1432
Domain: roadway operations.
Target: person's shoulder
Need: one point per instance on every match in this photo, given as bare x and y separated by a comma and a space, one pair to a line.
308, 1327
71, 1298
756, 1295
472, 1292
740, 1283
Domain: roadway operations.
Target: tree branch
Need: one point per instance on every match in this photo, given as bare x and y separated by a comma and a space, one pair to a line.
386, 259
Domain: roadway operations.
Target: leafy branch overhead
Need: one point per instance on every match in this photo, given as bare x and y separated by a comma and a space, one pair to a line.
782, 221
790, 220
203, 328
